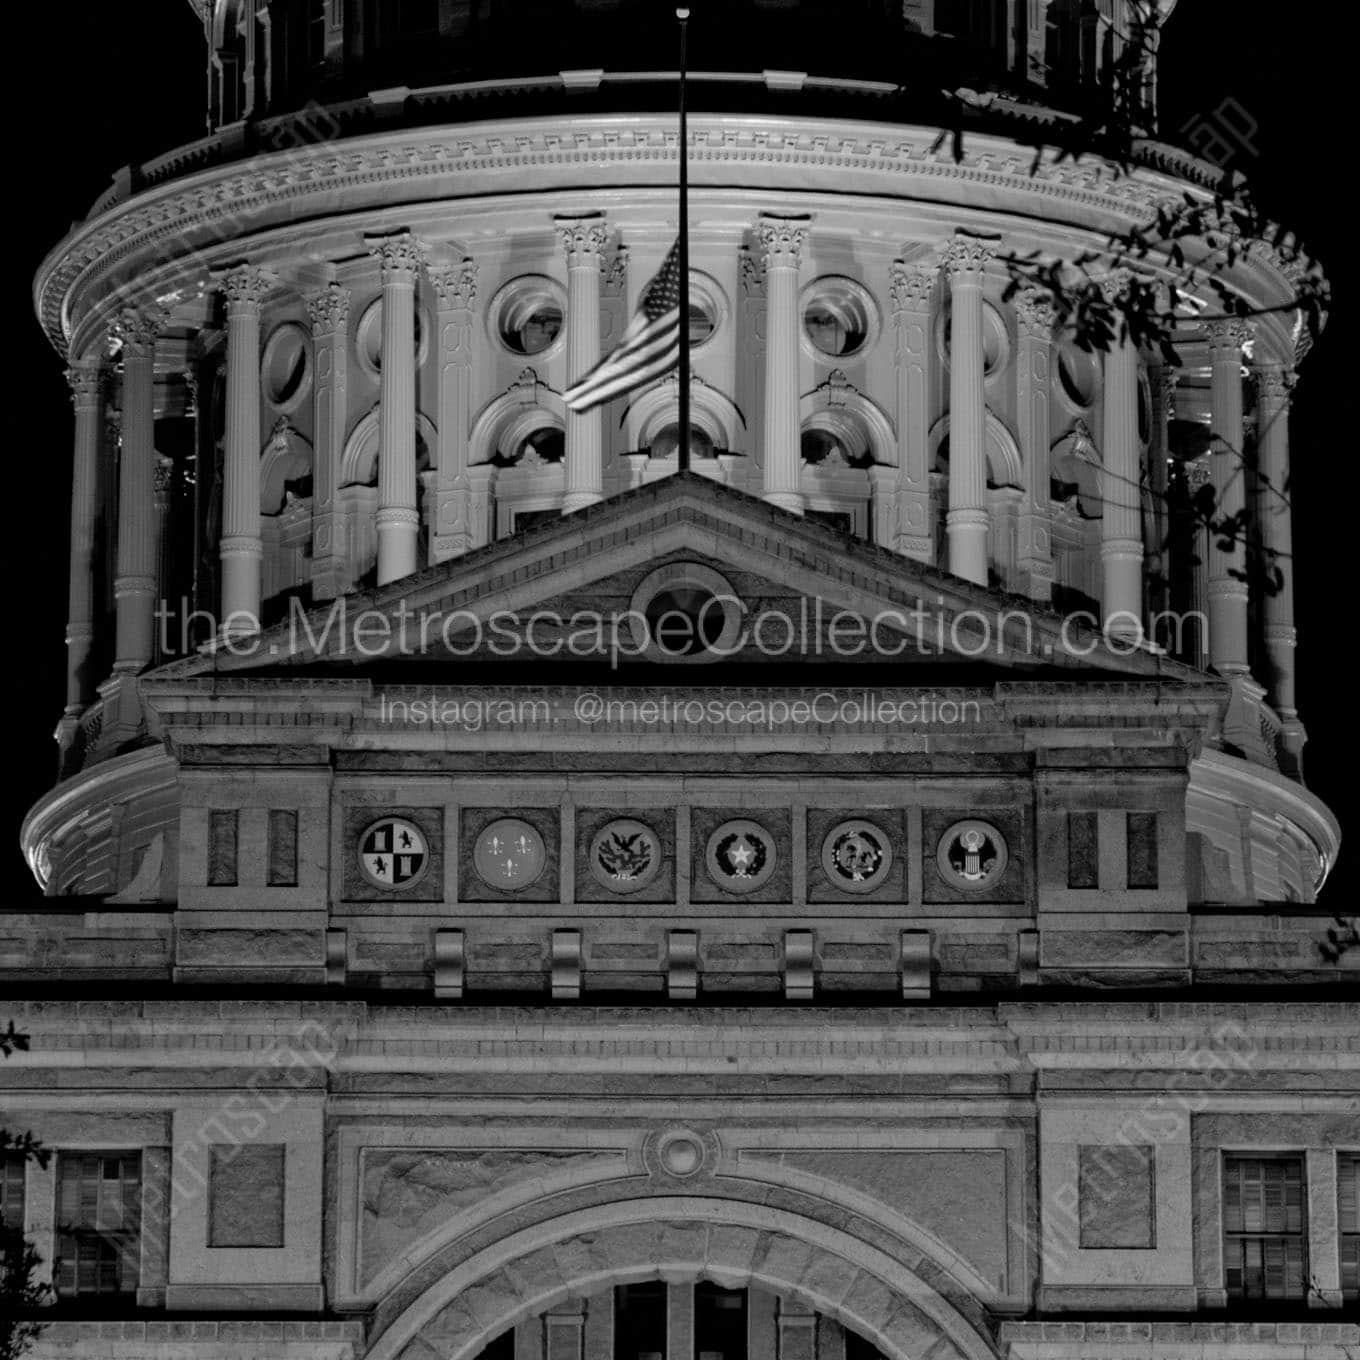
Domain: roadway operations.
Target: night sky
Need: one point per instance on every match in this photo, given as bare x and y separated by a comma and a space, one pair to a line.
110, 85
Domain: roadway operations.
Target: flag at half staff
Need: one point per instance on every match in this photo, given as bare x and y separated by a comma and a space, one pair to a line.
649, 349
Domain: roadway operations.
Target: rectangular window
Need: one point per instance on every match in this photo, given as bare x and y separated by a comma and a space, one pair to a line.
1348, 1221
99, 1210
1265, 1252
11, 1202
222, 828
282, 849
1083, 858
1142, 845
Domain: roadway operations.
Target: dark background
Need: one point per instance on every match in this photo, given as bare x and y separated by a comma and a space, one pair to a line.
109, 85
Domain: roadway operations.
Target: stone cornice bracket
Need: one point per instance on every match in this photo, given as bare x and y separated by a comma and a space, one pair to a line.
967, 255
583, 239
455, 285
328, 310
400, 254
136, 329
244, 286
1275, 383
86, 380
1228, 337
1035, 313
911, 286
781, 239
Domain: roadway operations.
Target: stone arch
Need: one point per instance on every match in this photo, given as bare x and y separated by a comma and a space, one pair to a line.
855, 420
525, 407
358, 464
287, 457
1004, 462
711, 411
679, 1238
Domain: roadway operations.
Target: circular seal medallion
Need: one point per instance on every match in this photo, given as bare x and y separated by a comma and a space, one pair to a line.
741, 856
393, 853
625, 855
856, 856
972, 855
510, 854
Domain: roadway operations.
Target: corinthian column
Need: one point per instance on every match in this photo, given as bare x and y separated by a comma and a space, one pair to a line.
583, 240
398, 519
86, 379
328, 310
1275, 386
781, 242
455, 288
1227, 567
966, 260
1121, 524
134, 585
245, 288
1033, 375
911, 289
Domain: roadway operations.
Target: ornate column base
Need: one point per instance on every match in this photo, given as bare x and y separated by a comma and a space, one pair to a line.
579, 500
398, 544
967, 530
791, 501
241, 559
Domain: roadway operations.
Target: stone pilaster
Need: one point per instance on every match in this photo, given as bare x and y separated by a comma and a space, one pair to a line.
1033, 377
781, 242
455, 288
680, 1334
1121, 524
245, 288
328, 309
134, 586
1227, 566
400, 257
751, 352
911, 288
564, 1328
86, 379
1275, 386
966, 259
797, 1332
583, 240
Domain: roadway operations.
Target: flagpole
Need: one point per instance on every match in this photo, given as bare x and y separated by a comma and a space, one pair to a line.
683, 16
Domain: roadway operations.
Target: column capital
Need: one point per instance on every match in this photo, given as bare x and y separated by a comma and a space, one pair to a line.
400, 254
966, 256
1117, 285
781, 239
85, 378
328, 310
245, 287
910, 286
136, 329
1227, 337
1275, 383
1035, 313
583, 239
455, 285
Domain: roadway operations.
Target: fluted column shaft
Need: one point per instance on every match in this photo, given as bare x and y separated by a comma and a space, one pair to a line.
912, 289
1121, 524
328, 310
86, 379
1161, 386
242, 550
967, 522
1277, 540
1227, 566
781, 241
583, 240
398, 517
1033, 376
455, 289
134, 586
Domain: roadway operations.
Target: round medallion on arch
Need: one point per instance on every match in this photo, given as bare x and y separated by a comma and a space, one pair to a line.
393, 853
972, 855
741, 856
856, 855
679, 1153
510, 854
625, 855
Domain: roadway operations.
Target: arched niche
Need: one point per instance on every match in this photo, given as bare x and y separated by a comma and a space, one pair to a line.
525, 407
711, 411
1005, 466
287, 457
359, 463
854, 420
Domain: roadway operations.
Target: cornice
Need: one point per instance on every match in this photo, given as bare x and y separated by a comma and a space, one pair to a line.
200, 220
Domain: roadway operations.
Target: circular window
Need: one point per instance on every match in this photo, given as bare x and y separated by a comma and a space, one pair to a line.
685, 613
972, 855
510, 854
839, 317
625, 855
1078, 377
527, 315
707, 309
996, 344
286, 367
368, 337
393, 853
856, 856
741, 856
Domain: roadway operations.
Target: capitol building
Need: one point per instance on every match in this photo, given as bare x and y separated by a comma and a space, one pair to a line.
823, 875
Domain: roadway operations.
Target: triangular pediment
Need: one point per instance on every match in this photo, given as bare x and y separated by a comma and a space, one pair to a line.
577, 590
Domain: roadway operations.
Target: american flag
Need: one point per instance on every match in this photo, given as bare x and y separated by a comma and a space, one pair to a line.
649, 348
